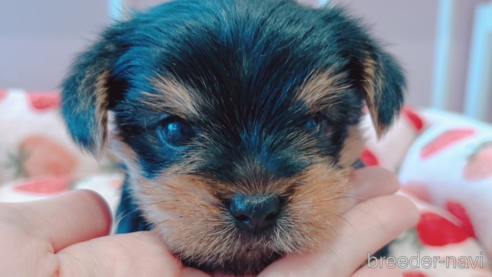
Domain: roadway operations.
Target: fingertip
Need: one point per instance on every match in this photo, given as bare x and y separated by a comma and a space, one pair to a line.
409, 208
370, 182
68, 218
99, 207
377, 174
389, 215
392, 182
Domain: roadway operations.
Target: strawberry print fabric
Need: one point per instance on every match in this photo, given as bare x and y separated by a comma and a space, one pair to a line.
450, 166
444, 163
34, 141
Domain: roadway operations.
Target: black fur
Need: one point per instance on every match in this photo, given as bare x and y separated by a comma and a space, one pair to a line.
128, 217
246, 59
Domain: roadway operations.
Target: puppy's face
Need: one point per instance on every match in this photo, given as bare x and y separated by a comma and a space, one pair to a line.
237, 121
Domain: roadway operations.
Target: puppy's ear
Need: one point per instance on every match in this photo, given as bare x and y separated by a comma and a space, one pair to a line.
86, 95
382, 84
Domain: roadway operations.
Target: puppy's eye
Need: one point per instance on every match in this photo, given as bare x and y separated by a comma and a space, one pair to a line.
175, 131
314, 123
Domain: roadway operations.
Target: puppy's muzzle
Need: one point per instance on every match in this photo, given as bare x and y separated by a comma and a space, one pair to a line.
255, 213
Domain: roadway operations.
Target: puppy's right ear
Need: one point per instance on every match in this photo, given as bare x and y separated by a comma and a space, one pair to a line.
85, 95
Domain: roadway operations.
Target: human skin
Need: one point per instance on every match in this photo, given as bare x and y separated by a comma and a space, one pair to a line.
67, 235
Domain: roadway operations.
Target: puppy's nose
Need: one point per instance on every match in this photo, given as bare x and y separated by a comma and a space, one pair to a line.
254, 213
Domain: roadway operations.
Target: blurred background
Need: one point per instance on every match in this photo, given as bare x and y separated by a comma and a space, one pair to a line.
444, 45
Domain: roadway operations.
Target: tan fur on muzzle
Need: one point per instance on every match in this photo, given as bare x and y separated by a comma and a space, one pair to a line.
190, 214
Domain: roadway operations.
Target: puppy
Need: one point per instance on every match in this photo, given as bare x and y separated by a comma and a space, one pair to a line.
237, 122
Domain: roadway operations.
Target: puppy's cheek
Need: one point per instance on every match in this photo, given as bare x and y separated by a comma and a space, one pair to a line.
314, 209
188, 216
184, 209
194, 222
353, 146
123, 152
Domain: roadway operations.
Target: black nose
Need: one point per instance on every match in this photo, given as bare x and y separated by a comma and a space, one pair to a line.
255, 213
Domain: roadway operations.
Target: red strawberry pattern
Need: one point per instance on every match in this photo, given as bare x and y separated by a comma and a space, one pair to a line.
414, 118
435, 230
445, 140
368, 158
44, 156
41, 101
460, 212
3, 94
479, 165
49, 186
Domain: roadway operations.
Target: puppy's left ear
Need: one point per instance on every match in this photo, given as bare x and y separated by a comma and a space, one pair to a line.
382, 84
86, 94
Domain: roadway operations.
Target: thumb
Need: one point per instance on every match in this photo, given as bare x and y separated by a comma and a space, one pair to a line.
134, 254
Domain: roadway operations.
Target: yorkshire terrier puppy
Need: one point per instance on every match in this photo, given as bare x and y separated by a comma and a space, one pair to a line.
237, 121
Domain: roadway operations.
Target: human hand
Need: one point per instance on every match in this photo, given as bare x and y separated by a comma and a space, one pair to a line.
375, 218
67, 236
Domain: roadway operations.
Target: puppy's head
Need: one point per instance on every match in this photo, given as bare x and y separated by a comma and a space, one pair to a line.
237, 121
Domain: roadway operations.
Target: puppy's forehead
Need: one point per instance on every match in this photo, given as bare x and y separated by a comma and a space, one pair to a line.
229, 56
247, 86
316, 91
234, 99
244, 82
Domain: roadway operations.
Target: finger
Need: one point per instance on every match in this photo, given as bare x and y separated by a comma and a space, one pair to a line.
373, 224
383, 271
369, 226
134, 254
191, 272
370, 182
62, 220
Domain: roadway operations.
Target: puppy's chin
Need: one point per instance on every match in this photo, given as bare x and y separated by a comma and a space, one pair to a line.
190, 213
248, 264
254, 254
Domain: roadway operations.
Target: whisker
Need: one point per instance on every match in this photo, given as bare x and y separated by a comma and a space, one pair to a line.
343, 218
119, 218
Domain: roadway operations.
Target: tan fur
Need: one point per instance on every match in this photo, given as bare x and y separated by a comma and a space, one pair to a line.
173, 97
352, 147
371, 84
102, 103
100, 97
123, 151
322, 89
187, 211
